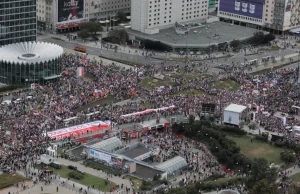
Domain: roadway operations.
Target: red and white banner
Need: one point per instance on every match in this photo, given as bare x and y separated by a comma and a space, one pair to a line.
148, 111
80, 72
78, 129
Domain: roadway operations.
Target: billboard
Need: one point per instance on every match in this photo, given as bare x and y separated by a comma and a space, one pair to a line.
249, 8
288, 11
70, 11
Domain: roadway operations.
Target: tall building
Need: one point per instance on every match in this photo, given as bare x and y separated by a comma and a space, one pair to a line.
272, 15
61, 15
102, 10
68, 15
17, 21
148, 16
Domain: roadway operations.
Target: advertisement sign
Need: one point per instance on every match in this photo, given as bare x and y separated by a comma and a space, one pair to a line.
249, 8
288, 11
100, 156
78, 129
70, 11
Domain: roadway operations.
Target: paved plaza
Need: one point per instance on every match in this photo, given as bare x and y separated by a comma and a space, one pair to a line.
201, 36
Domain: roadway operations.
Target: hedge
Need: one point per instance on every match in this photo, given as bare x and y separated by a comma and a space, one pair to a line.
76, 175
234, 130
10, 88
219, 183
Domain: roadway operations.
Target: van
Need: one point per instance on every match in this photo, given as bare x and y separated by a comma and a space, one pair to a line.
55, 165
6, 102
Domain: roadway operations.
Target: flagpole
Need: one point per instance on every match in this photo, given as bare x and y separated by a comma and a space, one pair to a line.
111, 110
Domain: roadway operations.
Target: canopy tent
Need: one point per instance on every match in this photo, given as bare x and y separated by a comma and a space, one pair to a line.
78, 129
109, 145
173, 165
296, 30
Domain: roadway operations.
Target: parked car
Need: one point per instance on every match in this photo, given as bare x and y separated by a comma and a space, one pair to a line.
72, 167
81, 49
55, 165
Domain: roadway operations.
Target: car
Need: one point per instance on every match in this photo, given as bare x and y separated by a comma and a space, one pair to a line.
81, 49
55, 165
72, 167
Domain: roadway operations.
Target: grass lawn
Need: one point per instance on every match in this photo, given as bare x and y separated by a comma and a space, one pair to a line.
190, 92
7, 180
295, 177
258, 149
151, 82
87, 180
100, 102
137, 183
227, 85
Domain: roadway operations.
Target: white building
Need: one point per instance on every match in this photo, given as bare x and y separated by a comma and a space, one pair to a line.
148, 16
234, 114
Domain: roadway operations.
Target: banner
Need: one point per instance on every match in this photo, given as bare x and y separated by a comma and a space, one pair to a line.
78, 129
100, 156
80, 72
148, 111
69, 11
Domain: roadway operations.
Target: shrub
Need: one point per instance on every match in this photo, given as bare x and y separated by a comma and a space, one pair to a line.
76, 175
261, 138
288, 156
234, 130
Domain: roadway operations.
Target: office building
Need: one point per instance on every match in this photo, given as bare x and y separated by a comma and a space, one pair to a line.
61, 15
148, 16
103, 10
272, 15
17, 21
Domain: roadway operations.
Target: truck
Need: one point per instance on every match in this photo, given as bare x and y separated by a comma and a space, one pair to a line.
46, 159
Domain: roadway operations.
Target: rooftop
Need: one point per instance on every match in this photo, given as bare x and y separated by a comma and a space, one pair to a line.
30, 52
235, 108
214, 33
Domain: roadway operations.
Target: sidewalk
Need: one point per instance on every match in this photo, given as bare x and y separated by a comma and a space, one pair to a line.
98, 59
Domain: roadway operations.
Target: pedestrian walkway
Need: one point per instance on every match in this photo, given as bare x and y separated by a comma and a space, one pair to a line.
98, 59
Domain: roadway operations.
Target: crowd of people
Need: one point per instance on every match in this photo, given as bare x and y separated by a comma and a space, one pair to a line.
24, 124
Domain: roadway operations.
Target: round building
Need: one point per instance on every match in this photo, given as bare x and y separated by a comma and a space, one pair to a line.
30, 62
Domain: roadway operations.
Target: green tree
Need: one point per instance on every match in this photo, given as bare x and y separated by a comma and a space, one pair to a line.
262, 187
235, 44
83, 34
117, 36
92, 27
121, 16
288, 157
260, 170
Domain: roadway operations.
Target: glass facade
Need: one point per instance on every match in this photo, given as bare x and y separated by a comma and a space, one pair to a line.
17, 21
18, 74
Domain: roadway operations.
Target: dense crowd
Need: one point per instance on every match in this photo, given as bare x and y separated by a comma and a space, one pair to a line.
24, 124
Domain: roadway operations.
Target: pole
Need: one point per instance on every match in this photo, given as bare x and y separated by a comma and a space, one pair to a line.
186, 50
111, 110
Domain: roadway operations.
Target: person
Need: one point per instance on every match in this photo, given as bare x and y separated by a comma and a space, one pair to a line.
41, 188
57, 189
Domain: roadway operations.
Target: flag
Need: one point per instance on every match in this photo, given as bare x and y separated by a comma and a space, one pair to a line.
80, 72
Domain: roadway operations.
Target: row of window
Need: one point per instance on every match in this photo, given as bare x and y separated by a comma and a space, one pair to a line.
11, 4
17, 10
241, 17
18, 22
17, 39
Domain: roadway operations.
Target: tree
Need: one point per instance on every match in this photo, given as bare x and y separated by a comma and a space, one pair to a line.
83, 34
288, 157
117, 36
260, 170
235, 44
92, 27
121, 16
262, 187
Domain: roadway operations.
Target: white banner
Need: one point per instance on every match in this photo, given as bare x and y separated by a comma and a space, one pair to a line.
100, 156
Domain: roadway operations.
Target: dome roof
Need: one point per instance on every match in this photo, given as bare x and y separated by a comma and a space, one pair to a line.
30, 52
